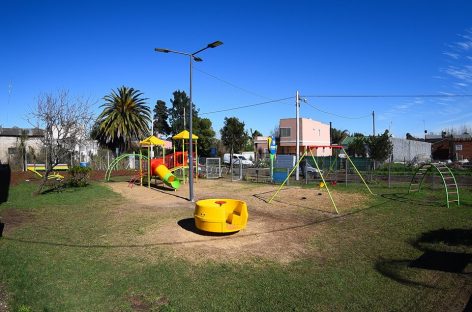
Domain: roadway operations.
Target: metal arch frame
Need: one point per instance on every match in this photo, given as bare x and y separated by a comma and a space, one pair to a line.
115, 162
430, 169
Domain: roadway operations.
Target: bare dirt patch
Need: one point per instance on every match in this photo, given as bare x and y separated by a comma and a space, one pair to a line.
13, 219
279, 231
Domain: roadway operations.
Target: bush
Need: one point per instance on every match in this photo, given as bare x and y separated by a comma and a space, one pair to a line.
79, 176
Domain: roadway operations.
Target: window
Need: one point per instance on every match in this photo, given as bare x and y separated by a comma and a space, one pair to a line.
458, 147
12, 150
284, 132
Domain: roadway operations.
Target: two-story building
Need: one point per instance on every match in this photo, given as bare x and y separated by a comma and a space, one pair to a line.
311, 133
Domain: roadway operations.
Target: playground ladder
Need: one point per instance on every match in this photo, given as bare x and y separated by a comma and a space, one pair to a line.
449, 181
452, 191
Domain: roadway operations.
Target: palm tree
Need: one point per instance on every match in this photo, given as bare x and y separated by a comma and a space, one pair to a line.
125, 117
337, 136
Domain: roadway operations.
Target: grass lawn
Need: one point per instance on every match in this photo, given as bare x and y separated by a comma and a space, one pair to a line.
70, 251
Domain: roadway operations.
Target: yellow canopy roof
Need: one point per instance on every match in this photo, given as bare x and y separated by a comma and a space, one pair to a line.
152, 140
184, 135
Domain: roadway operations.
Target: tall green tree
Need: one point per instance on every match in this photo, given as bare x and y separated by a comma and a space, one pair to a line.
202, 127
161, 115
125, 117
179, 111
380, 146
233, 135
357, 147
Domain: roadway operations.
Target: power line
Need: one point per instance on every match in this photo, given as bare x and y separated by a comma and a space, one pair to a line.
340, 116
246, 106
232, 84
387, 95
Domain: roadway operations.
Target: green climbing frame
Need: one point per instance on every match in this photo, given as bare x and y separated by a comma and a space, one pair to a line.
115, 162
449, 181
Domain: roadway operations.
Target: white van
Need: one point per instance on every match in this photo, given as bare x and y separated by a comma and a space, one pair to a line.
237, 158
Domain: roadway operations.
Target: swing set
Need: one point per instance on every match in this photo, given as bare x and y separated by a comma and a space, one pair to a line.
309, 149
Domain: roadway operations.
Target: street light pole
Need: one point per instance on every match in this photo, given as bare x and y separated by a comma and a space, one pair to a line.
196, 59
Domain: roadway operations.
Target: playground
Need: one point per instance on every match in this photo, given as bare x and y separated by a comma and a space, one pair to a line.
124, 248
288, 218
132, 241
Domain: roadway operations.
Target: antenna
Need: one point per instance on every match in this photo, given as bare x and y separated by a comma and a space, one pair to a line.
10, 87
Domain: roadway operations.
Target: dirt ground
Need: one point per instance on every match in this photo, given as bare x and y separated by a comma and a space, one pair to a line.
279, 231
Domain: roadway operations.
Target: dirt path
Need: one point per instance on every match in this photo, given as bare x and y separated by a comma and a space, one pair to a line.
279, 231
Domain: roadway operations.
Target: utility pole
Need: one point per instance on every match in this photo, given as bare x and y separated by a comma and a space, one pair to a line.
373, 129
330, 128
297, 114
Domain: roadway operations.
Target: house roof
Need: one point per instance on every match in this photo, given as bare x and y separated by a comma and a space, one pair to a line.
347, 140
464, 136
17, 132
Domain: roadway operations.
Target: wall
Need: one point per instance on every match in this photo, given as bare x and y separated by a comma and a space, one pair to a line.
407, 150
465, 152
8, 142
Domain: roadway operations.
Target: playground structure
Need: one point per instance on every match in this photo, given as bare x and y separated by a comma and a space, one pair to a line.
323, 182
220, 215
184, 137
165, 168
447, 177
37, 168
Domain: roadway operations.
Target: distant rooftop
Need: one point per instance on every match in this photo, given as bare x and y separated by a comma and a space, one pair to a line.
465, 136
17, 132
433, 136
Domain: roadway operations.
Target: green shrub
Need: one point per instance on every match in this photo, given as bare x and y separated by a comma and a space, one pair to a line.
79, 176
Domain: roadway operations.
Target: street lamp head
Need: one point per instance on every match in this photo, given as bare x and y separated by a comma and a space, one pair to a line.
161, 50
197, 59
215, 44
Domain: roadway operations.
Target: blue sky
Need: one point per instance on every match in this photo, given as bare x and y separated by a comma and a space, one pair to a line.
271, 49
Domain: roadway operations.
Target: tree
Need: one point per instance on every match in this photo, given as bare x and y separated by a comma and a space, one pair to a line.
65, 123
161, 114
21, 146
125, 117
337, 136
380, 146
233, 136
179, 110
251, 138
410, 137
357, 145
202, 127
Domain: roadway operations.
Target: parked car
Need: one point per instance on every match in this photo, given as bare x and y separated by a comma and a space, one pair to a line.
237, 159
308, 169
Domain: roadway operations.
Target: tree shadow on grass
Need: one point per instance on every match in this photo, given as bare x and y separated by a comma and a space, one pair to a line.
442, 251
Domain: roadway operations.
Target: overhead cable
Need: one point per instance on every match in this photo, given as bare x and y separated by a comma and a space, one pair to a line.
340, 116
246, 106
387, 95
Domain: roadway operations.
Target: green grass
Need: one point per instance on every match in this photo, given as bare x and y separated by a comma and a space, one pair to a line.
60, 259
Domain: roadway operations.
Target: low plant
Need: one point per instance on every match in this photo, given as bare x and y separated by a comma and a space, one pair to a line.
79, 176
